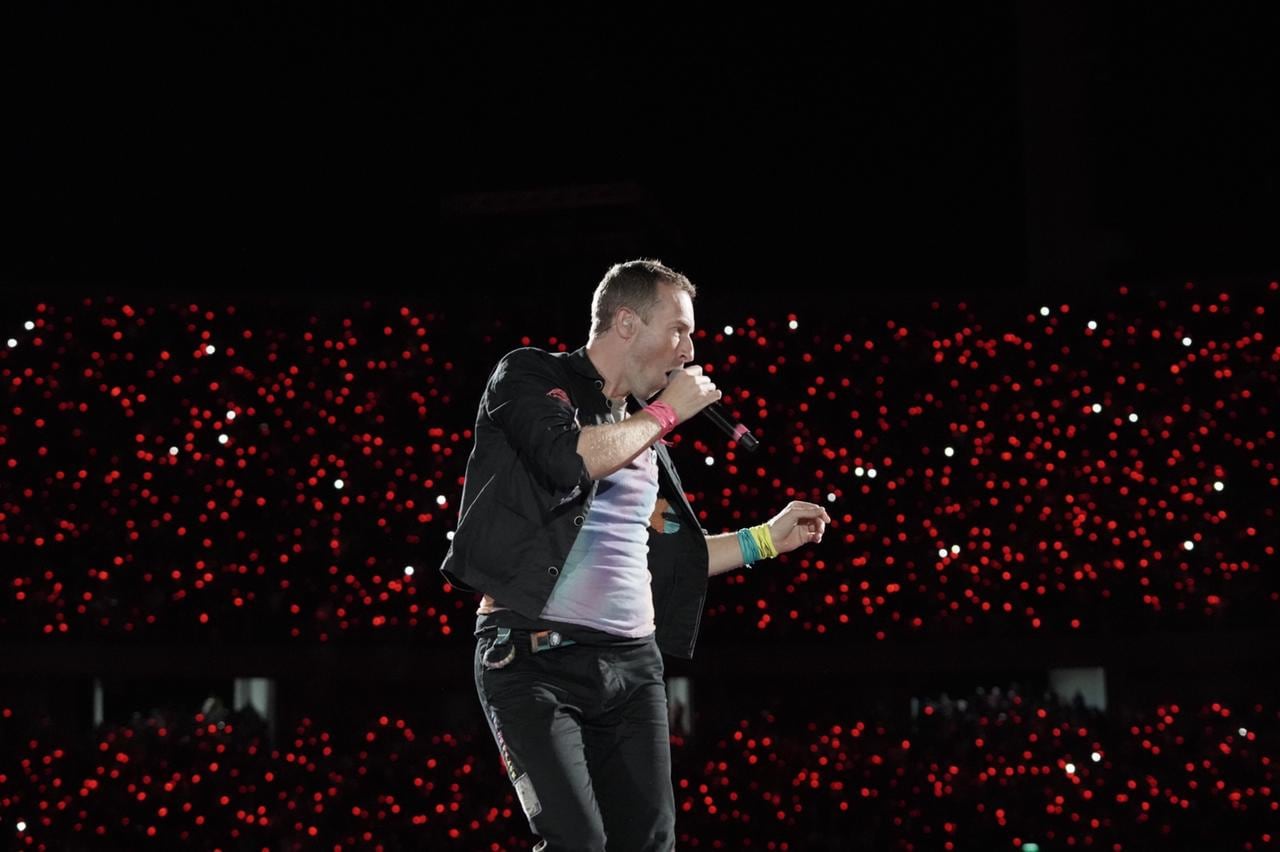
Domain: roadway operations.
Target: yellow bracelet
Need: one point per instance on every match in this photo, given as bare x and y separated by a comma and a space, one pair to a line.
764, 541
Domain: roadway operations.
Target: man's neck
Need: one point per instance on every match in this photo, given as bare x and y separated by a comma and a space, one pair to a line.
603, 359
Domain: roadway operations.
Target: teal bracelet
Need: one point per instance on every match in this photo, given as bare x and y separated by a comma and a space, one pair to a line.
747, 544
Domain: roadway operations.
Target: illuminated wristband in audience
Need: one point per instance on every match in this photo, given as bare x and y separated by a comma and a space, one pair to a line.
664, 414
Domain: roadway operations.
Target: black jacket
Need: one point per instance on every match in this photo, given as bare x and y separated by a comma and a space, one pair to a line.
527, 493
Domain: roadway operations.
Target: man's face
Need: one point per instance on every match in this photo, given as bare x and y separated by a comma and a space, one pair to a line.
663, 344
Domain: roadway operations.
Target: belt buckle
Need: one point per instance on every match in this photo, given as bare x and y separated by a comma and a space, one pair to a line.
543, 640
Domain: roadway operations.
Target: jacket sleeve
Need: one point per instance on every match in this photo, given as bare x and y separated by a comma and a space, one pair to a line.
526, 398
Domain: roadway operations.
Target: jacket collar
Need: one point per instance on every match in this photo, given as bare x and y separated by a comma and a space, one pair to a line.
582, 365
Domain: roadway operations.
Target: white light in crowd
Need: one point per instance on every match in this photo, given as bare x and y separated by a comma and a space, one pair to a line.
210, 349
710, 461
1092, 325
728, 329
441, 500
1189, 545
12, 343
222, 439
1244, 732
408, 570
173, 451
231, 415
29, 325
948, 452
1097, 758
955, 548
1044, 312
449, 535
1071, 769
1097, 406
1218, 486
338, 483
942, 553
1186, 341
857, 471
22, 826
831, 497
871, 472
793, 325
1133, 418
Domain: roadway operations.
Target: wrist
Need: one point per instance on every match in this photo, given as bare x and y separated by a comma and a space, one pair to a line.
756, 543
664, 414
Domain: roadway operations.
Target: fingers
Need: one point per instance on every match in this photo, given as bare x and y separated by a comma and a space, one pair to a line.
811, 518
809, 510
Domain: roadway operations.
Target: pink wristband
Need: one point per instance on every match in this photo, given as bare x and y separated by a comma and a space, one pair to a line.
664, 414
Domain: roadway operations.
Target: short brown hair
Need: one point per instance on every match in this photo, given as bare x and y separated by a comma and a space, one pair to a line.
633, 285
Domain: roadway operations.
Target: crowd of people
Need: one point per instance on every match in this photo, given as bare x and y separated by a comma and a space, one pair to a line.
993, 769
236, 472
239, 471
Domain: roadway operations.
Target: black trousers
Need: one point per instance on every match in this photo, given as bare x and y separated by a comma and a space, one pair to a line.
582, 730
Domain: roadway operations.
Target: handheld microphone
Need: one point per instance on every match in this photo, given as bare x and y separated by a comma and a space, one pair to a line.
735, 431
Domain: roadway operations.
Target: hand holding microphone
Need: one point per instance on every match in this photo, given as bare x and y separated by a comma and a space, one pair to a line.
689, 392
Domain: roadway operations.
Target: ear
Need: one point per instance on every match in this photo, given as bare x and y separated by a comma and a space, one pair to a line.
626, 321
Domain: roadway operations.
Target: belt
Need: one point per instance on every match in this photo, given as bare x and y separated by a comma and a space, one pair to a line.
545, 640
540, 640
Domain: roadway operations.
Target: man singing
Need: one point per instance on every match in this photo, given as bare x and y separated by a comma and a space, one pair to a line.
575, 528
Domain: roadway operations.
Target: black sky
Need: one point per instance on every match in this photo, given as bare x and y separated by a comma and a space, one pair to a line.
878, 149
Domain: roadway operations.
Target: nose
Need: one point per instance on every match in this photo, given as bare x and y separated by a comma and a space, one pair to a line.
686, 351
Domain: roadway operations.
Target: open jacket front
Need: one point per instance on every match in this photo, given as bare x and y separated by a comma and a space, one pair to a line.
527, 493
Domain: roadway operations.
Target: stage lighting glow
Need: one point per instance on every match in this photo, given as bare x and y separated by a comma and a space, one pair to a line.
210, 349
1044, 312
793, 325
231, 415
222, 439
29, 325
1093, 326
338, 484
408, 570
709, 461
12, 343
1189, 545
441, 500
1071, 769
1097, 758
948, 452
1186, 341
1218, 486
1133, 418
173, 451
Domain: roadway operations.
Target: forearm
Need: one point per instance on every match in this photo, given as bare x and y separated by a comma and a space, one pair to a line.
605, 449
723, 553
